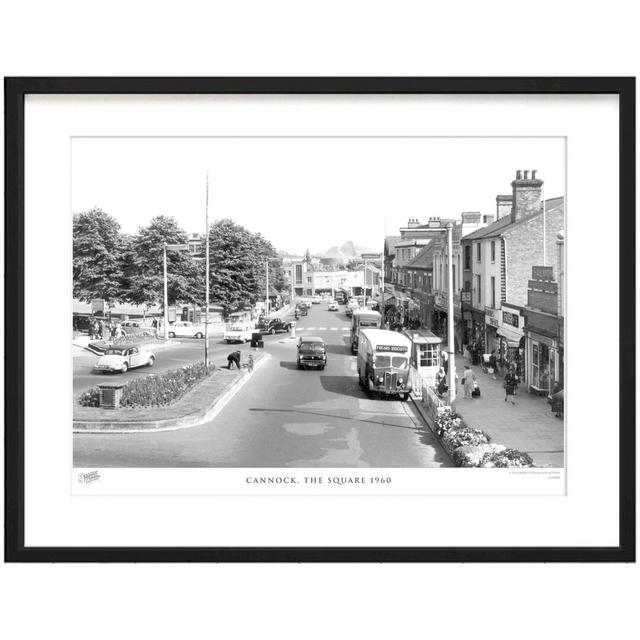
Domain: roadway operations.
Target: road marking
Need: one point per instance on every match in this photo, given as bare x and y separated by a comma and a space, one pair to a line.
334, 328
322, 328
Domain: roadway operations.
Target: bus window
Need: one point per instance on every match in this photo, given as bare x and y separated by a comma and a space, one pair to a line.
382, 361
399, 362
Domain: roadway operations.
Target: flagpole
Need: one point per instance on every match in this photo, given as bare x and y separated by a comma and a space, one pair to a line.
206, 277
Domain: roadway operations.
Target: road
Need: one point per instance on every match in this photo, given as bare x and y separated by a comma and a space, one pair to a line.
284, 417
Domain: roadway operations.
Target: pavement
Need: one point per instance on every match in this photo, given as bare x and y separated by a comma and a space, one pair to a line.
529, 425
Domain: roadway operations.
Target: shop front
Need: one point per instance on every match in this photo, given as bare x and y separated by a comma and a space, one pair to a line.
511, 341
544, 354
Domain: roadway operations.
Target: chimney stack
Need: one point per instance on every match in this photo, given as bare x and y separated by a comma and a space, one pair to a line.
413, 223
527, 196
504, 204
488, 218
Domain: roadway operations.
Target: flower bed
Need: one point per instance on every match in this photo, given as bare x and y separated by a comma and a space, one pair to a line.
472, 447
156, 390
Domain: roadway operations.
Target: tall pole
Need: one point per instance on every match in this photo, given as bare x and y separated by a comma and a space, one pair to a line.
206, 276
452, 356
266, 302
166, 305
364, 300
544, 229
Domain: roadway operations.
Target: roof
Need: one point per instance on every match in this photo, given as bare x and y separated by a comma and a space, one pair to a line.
366, 312
424, 258
552, 205
390, 338
413, 242
422, 335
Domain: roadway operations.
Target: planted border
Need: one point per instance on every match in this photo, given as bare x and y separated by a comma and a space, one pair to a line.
470, 447
155, 390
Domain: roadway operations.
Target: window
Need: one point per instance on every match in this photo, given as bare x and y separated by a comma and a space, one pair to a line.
479, 252
467, 256
493, 251
479, 289
453, 270
493, 291
427, 354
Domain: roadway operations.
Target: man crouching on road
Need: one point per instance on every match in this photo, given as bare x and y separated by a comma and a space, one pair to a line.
233, 357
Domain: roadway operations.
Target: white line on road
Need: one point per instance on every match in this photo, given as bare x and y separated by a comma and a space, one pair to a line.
334, 328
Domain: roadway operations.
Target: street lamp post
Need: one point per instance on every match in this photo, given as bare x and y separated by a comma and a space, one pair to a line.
170, 247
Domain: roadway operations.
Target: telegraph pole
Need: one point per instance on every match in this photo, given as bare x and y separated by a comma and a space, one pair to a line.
206, 277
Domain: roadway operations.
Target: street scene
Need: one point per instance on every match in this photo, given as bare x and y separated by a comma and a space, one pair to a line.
413, 341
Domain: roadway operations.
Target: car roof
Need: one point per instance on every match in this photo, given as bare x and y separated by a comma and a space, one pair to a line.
310, 339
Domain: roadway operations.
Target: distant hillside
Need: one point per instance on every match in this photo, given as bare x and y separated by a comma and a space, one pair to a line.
344, 253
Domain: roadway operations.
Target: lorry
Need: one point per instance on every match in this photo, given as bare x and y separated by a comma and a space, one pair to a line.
363, 319
383, 363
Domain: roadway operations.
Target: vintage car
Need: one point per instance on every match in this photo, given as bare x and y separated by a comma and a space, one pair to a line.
181, 329
122, 358
352, 305
238, 333
312, 352
333, 306
316, 299
273, 325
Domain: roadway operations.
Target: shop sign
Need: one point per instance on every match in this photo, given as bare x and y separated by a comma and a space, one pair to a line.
441, 299
489, 317
512, 319
97, 307
465, 297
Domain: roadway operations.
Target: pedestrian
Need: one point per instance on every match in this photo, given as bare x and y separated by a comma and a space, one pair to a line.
493, 363
468, 380
441, 381
511, 385
233, 358
103, 330
445, 361
250, 363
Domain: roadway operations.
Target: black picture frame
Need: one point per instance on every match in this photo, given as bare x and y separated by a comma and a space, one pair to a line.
15, 91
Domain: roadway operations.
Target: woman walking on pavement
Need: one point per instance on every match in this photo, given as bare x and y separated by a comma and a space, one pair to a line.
510, 385
468, 378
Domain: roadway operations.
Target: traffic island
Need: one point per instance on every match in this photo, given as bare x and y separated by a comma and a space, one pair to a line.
195, 407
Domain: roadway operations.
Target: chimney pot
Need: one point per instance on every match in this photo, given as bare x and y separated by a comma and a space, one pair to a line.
533, 174
526, 174
519, 174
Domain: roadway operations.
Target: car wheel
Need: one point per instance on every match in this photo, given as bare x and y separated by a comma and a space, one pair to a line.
199, 335
151, 361
125, 367
171, 334
228, 341
272, 331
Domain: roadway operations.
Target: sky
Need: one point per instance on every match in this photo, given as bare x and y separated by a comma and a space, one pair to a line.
306, 193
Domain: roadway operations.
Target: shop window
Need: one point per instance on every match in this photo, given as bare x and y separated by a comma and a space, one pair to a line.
540, 366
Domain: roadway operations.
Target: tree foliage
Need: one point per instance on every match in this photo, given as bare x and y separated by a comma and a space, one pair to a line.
97, 257
143, 279
238, 262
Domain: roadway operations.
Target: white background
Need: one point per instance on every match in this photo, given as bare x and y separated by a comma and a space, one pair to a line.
334, 38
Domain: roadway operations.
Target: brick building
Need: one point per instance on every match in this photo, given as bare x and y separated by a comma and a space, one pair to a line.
497, 262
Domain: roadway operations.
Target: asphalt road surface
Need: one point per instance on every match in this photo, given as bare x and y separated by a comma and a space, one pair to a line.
284, 417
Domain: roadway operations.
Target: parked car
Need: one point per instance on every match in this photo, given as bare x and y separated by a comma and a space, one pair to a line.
316, 299
273, 325
238, 333
352, 305
122, 358
182, 329
312, 352
333, 306
302, 310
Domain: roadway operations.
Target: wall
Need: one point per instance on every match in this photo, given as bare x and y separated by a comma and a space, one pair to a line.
524, 250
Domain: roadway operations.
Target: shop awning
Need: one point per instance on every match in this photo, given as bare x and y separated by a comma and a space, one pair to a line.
512, 338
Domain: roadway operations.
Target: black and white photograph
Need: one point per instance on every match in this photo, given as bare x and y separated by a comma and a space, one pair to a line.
320, 301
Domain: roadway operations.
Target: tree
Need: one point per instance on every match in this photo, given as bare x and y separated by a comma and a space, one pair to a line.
238, 261
143, 280
97, 257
